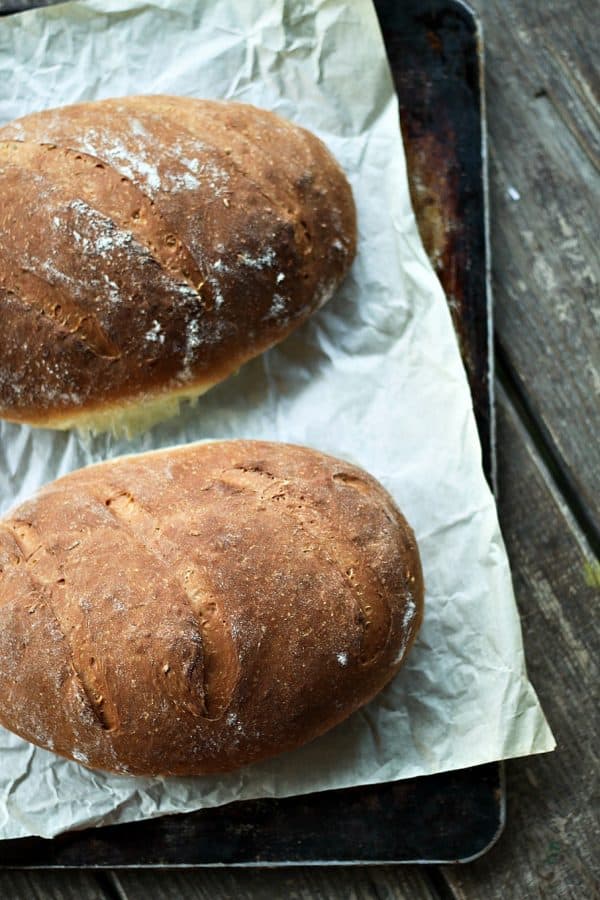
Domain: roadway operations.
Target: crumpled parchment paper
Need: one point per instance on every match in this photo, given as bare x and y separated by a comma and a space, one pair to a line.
374, 377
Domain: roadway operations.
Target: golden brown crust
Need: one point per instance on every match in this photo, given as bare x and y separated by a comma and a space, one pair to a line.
151, 245
192, 610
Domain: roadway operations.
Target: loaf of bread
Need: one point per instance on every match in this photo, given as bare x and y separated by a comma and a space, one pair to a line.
151, 245
192, 610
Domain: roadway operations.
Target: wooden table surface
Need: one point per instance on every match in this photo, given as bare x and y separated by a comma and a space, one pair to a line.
544, 146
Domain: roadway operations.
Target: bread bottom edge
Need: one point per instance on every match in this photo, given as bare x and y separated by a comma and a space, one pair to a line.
123, 419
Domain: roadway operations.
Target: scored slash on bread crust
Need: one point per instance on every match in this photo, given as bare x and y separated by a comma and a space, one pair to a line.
193, 610
151, 245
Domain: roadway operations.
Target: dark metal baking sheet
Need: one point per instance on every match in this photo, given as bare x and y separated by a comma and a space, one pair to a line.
435, 53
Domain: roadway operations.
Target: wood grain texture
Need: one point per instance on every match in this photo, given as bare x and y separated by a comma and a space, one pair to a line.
378, 883
51, 886
542, 99
549, 849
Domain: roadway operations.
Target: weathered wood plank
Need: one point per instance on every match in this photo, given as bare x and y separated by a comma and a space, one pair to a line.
542, 81
50, 886
549, 849
378, 883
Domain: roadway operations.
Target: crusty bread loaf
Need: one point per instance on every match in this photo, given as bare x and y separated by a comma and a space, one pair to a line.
151, 245
192, 610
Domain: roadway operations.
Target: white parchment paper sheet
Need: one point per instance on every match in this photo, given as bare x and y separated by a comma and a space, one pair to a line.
374, 377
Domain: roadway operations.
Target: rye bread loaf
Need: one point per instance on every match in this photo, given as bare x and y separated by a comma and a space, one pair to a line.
151, 245
192, 610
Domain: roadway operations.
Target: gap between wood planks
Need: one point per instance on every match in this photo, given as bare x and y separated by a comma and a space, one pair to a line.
544, 156
546, 448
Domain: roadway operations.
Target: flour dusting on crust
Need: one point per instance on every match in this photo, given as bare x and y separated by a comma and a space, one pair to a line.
197, 235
